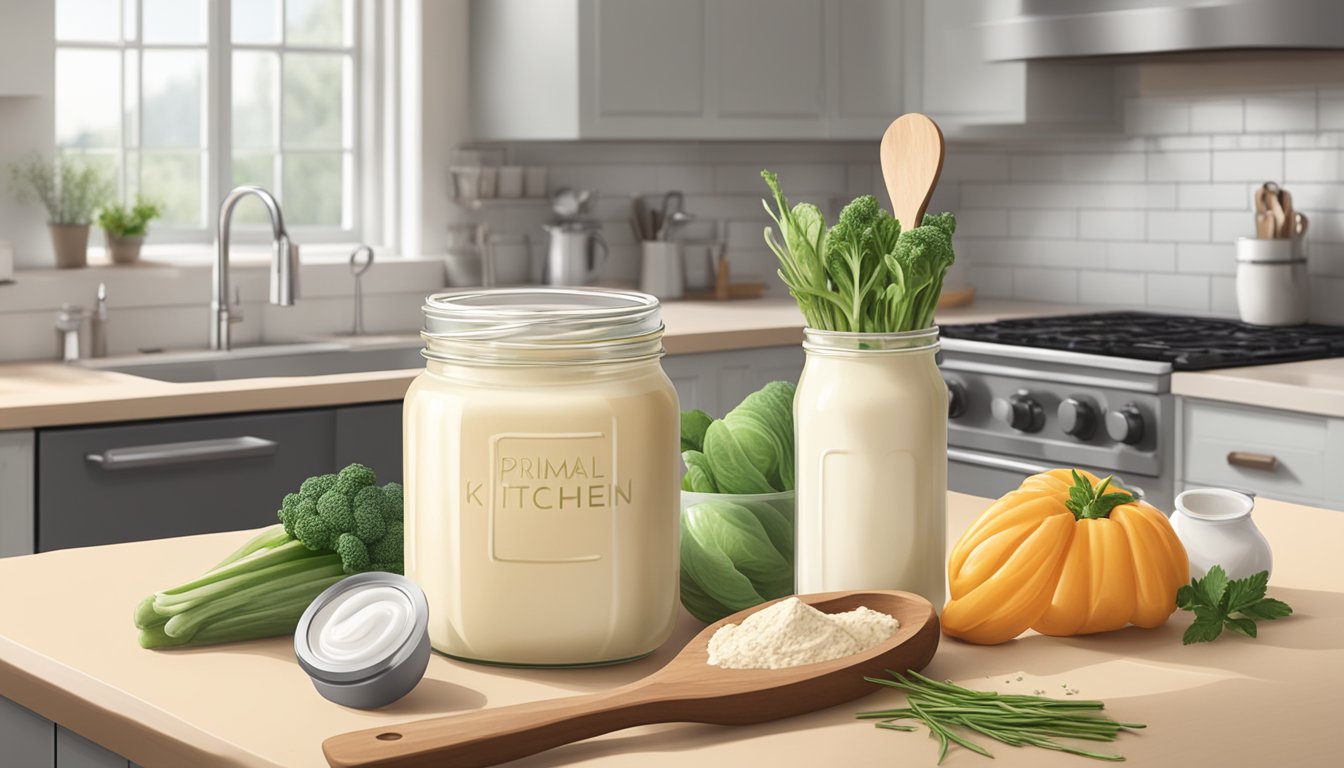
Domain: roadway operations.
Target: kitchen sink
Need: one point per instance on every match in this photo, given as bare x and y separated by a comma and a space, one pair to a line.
316, 359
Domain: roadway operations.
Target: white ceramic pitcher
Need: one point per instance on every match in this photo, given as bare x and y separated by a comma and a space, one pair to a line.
1216, 528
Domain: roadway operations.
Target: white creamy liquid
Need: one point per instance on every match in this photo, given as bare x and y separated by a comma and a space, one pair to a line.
361, 627
541, 509
872, 473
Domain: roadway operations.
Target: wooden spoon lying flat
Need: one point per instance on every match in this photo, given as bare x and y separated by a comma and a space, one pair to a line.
912, 160
687, 689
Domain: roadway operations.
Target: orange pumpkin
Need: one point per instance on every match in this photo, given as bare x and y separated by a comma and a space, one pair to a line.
1063, 555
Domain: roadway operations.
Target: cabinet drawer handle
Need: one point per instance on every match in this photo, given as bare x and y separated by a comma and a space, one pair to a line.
1247, 460
191, 452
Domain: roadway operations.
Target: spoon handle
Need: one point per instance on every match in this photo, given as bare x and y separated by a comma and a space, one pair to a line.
493, 736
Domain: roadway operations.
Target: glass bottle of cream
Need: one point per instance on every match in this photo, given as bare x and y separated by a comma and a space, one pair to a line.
541, 477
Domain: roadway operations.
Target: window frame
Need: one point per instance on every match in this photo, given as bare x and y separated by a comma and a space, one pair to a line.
364, 51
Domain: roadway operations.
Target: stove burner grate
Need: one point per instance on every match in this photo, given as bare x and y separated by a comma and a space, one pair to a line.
1188, 343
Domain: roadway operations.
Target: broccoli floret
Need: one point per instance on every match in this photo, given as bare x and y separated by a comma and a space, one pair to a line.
314, 531
390, 547
289, 511
354, 478
393, 492
354, 555
338, 510
944, 221
370, 514
314, 487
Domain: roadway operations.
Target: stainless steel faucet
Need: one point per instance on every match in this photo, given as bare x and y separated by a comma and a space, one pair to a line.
284, 264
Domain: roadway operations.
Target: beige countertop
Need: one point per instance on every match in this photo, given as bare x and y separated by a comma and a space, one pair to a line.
40, 394
69, 653
1312, 386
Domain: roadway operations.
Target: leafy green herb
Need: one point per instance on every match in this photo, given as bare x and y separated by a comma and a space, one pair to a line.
866, 274
1220, 603
119, 221
1088, 503
1017, 720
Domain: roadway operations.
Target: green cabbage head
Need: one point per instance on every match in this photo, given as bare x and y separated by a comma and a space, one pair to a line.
736, 550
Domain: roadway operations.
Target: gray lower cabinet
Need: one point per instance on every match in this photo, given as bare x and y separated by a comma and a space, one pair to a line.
714, 382
371, 435
1284, 455
31, 741
128, 482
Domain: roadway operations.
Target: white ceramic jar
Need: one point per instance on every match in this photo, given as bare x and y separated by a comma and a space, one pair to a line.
541, 477
870, 417
1216, 528
1271, 281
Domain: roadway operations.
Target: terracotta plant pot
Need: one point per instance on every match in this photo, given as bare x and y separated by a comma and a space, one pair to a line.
71, 244
124, 250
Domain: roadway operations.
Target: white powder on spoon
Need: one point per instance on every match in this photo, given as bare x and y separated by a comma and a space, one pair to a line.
791, 633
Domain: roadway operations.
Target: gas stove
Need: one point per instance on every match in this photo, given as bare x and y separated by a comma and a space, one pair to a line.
1187, 343
1090, 391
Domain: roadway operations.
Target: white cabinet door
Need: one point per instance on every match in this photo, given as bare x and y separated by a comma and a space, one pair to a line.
27, 63
650, 58
770, 59
75, 751
868, 65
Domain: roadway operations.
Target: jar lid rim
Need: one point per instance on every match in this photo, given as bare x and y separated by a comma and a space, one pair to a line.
540, 313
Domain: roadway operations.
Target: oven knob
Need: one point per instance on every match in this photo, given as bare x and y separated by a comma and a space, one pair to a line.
1019, 412
1078, 417
956, 399
1125, 425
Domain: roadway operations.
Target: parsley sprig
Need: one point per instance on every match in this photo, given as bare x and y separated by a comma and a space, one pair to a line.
1235, 604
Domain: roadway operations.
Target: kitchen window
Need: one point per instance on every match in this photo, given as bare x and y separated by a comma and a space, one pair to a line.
181, 100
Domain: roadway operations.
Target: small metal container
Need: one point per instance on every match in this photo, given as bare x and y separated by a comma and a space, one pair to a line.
373, 682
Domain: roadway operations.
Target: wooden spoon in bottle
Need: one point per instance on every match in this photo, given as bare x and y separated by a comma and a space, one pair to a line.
687, 689
912, 160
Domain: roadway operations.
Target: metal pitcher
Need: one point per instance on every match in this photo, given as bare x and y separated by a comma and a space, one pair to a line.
576, 254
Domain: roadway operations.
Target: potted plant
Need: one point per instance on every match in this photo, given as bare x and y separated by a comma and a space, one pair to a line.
70, 190
125, 228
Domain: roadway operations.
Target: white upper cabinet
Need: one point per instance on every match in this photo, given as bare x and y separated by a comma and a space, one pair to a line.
962, 89
27, 60
689, 69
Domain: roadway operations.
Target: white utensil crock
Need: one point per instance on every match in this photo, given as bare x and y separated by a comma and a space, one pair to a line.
1271, 281
662, 270
1216, 528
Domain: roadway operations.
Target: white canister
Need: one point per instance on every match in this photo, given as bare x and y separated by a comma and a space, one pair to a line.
870, 418
662, 269
1272, 282
1216, 528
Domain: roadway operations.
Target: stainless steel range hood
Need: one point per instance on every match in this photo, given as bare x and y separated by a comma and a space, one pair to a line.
1049, 29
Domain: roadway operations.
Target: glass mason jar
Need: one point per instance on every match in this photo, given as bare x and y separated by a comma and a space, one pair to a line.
871, 422
542, 476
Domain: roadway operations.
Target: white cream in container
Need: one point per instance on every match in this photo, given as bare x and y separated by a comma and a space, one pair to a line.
365, 640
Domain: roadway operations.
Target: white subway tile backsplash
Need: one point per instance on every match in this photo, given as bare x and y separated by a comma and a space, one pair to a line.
1326, 306
1178, 226
1141, 257
1205, 197
1066, 195
1330, 110
1316, 197
1206, 258
962, 165
972, 222
1156, 116
1176, 143
1041, 224
1179, 292
1179, 166
797, 180
1326, 259
1050, 253
1223, 295
1249, 141
1281, 113
1227, 226
1119, 288
1311, 165
992, 282
1110, 225
1052, 285
1247, 165
1220, 116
